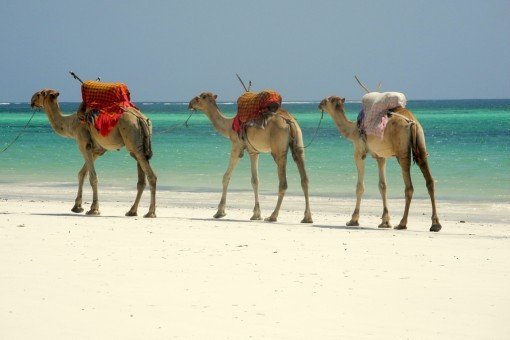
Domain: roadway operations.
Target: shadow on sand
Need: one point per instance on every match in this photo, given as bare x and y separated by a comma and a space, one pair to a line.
343, 227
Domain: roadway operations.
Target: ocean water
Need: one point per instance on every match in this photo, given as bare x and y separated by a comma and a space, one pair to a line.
468, 143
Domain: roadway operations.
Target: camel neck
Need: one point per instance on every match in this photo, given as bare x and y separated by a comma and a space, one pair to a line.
61, 124
346, 127
221, 123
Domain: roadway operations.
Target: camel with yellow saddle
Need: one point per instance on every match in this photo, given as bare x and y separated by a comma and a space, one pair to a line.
280, 132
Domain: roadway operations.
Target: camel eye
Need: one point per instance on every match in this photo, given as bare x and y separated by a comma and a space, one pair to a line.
202, 96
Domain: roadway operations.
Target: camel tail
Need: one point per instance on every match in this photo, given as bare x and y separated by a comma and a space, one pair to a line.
297, 145
418, 146
146, 126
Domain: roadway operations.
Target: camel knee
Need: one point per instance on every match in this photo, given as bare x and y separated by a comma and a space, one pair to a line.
360, 189
283, 186
93, 178
152, 178
82, 173
430, 185
409, 191
226, 179
382, 186
254, 182
304, 181
141, 184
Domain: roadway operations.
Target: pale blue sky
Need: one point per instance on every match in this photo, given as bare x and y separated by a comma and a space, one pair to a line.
172, 50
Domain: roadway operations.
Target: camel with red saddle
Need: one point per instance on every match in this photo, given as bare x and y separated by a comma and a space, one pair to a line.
280, 132
131, 130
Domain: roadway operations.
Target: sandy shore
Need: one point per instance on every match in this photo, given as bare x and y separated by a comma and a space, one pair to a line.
186, 275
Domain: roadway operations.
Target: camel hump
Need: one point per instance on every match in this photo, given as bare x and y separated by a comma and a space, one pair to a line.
285, 114
404, 112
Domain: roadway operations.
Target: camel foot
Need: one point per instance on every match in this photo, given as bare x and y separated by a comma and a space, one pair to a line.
219, 214
352, 223
93, 212
307, 220
400, 227
270, 219
435, 227
256, 218
131, 213
150, 215
384, 225
77, 210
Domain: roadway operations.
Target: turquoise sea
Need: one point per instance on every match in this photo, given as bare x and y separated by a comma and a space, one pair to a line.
468, 143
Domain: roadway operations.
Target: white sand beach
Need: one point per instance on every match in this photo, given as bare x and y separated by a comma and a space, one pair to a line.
185, 275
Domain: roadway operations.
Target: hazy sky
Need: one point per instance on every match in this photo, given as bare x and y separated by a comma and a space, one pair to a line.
172, 50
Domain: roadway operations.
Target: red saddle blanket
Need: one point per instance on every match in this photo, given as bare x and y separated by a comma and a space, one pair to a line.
252, 105
107, 102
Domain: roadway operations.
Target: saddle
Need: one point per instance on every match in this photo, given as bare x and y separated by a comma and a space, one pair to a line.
103, 104
253, 108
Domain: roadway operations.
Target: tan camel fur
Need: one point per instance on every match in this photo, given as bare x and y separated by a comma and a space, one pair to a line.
129, 132
399, 138
281, 131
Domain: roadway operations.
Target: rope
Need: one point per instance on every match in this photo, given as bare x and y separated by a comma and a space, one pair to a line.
315, 133
409, 121
19, 134
175, 126
291, 122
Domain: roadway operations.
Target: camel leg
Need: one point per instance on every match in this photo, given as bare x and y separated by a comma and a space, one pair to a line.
360, 188
405, 164
144, 164
381, 164
85, 146
300, 162
424, 167
78, 201
234, 160
281, 161
89, 164
254, 159
140, 186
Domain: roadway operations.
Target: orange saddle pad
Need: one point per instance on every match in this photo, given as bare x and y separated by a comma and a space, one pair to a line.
252, 105
107, 101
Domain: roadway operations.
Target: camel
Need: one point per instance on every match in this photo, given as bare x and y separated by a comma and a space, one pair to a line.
281, 131
402, 134
131, 131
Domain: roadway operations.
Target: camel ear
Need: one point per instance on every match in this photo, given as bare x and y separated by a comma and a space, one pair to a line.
43, 93
215, 96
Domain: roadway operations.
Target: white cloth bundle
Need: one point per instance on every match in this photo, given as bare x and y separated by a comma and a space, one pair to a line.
375, 106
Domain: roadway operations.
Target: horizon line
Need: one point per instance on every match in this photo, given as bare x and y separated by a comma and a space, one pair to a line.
283, 102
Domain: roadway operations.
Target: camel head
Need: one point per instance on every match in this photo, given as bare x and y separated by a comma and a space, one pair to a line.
204, 100
40, 97
332, 103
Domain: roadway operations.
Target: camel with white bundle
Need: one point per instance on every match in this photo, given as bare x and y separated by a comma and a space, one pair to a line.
396, 134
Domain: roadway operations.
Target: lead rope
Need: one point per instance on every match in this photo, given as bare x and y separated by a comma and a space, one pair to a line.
314, 134
291, 122
20, 133
316, 131
175, 126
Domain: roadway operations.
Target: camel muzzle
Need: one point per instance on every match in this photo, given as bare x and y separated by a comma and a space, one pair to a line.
191, 103
321, 105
